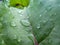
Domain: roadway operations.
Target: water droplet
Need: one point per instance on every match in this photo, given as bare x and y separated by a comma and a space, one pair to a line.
38, 26
25, 22
21, 15
40, 15
13, 24
44, 21
7, 0
55, 13
20, 11
1, 25
27, 17
19, 40
54, 28
2, 41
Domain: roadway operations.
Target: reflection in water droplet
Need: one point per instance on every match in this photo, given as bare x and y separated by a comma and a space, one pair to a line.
25, 22
20, 11
38, 26
13, 24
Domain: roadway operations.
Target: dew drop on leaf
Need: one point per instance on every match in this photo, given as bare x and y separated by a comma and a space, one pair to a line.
40, 15
25, 23
13, 24
44, 21
15, 37
19, 40
2, 41
20, 11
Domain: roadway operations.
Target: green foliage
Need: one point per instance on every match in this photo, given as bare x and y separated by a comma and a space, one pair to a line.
44, 17
41, 17
14, 33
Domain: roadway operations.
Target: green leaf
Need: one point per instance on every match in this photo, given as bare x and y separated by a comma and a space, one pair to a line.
14, 33
44, 17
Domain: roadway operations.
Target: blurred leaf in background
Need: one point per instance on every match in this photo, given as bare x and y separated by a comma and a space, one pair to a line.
17, 3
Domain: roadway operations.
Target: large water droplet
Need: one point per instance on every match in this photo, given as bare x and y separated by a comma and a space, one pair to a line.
3, 42
19, 40
40, 15
20, 11
25, 23
13, 24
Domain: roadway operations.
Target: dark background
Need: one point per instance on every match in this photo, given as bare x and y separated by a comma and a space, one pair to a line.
0, 0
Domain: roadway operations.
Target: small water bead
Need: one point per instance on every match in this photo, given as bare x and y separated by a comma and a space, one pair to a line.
20, 11
43, 21
21, 15
25, 23
15, 37
40, 15
13, 24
